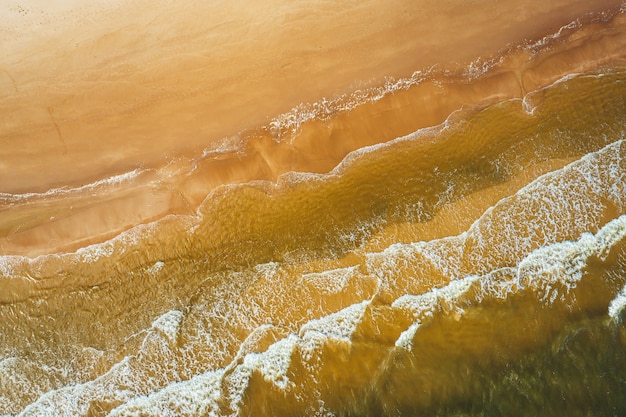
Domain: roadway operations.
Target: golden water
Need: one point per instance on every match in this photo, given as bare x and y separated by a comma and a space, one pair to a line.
451, 242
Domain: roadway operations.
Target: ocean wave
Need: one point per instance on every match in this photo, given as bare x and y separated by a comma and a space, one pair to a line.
549, 271
204, 392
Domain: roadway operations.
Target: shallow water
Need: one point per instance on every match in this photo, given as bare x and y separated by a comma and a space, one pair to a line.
451, 242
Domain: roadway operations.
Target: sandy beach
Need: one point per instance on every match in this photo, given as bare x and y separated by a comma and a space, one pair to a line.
136, 87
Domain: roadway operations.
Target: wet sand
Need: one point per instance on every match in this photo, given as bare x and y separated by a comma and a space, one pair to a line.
158, 90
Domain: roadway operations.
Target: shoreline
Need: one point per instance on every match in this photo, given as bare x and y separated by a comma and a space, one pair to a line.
182, 185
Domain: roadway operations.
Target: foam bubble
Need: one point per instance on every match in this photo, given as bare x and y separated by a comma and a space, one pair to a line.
618, 304
528, 106
156, 268
120, 383
201, 394
405, 341
226, 145
113, 181
297, 177
168, 325
332, 281
93, 253
480, 67
273, 363
195, 397
339, 325
561, 263
438, 299
549, 39
287, 125
7, 265
503, 236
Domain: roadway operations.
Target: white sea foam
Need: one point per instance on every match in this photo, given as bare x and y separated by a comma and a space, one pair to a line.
332, 281
168, 325
195, 397
618, 304
405, 341
113, 181
528, 106
573, 191
551, 271
93, 253
294, 177
8, 265
441, 255
527, 101
549, 39
481, 66
273, 363
267, 270
35, 270
339, 325
558, 265
286, 125
429, 303
134, 376
75, 400
357, 154
555, 270
200, 394
225, 145
155, 268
